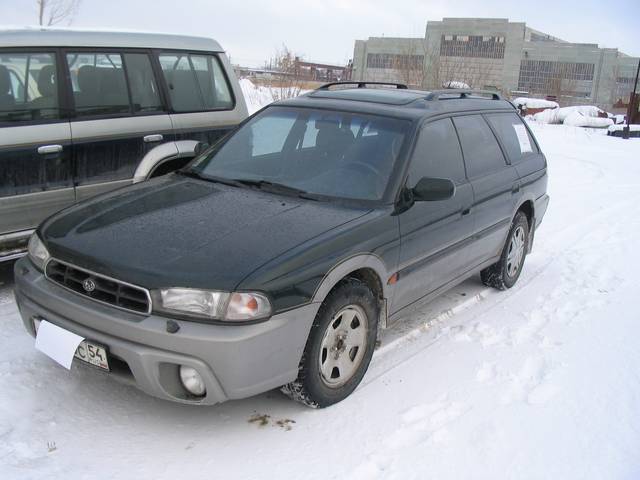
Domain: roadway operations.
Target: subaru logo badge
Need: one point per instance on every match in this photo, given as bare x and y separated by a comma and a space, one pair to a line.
89, 285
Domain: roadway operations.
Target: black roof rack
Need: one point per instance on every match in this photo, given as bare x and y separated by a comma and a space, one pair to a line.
326, 86
460, 93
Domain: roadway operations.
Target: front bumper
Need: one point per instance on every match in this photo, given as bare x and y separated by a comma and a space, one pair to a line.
235, 361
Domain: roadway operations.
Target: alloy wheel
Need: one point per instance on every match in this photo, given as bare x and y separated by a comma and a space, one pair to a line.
515, 254
343, 346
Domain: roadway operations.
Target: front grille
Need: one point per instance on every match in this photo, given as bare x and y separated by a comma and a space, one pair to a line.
98, 287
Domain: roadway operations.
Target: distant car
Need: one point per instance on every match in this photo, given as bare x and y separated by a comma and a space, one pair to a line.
273, 259
82, 113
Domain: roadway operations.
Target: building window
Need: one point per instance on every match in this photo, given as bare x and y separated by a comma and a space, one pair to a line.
477, 46
394, 61
624, 87
556, 78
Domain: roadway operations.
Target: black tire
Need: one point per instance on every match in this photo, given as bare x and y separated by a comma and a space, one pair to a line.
311, 388
501, 275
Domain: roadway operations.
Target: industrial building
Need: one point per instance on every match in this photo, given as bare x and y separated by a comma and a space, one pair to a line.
496, 54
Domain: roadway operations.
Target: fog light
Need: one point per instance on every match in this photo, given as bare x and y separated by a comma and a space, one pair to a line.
192, 381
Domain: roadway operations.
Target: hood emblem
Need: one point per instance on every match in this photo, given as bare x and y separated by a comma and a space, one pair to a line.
89, 285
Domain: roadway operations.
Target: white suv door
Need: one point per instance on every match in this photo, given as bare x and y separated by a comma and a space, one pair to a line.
35, 144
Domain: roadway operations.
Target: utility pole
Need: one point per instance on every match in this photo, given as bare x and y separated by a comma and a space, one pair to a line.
632, 108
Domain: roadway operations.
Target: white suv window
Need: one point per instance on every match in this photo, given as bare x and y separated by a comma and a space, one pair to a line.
196, 82
28, 87
99, 84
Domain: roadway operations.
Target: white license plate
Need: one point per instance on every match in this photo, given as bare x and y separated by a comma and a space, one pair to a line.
93, 354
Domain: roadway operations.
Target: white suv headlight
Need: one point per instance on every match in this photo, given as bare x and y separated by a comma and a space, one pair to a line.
211, 304
37, 251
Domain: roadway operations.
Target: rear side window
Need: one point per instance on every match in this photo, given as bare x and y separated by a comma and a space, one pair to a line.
513, 135
112, 83
144, 89
196, 82
28, 87
482, 153
437, 154
99, 84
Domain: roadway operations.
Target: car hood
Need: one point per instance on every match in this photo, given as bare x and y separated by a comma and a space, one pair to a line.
176, 231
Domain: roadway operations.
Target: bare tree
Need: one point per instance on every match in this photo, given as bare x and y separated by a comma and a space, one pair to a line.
287, 81
54, 12
409, 65
561, 84
446, 71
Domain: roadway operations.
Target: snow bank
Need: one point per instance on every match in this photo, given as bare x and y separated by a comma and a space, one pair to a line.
577, 119
534, 103
546, 116
617, 119
576, 115
619, 128
256, 96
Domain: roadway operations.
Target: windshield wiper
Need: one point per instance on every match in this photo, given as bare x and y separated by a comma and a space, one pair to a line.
210, 178
277, 188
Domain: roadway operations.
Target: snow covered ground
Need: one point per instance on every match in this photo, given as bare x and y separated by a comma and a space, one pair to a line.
257, 96
542, 381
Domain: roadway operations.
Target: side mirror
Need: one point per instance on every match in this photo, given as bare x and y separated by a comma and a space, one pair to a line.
200, 148
433, 189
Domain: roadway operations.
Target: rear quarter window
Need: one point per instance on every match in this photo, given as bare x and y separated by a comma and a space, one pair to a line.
196, 82
482, 153
513, 134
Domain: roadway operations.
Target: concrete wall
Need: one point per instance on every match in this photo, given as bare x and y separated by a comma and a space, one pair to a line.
477, 72
390, 45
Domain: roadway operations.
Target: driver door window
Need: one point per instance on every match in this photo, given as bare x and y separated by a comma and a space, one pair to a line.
437, 154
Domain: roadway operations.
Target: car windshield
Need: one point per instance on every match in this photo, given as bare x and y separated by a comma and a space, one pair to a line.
316, 152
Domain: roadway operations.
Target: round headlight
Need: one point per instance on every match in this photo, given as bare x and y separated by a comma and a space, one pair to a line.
192, 381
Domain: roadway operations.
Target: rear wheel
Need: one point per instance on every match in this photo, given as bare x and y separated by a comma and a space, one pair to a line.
339, 347
506, 271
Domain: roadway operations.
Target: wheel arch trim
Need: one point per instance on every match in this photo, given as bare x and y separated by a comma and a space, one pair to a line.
162, 153
350, 265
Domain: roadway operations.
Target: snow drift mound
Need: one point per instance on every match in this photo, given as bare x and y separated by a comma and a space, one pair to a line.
256, 96
534, 103
578, 116
577, 119
455, 84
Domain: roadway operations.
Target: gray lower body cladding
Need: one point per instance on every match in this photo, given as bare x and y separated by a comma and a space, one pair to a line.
235, 361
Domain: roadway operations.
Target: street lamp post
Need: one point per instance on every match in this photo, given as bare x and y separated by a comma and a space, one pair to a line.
632, 105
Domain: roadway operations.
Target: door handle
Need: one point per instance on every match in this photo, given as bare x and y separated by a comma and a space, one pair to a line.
466, 211
49, 149
515, 188
156, 137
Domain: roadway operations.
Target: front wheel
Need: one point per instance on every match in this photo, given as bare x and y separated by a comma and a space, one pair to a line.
339, 347
505, 272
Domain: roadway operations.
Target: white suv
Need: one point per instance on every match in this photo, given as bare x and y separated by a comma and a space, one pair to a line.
82, 113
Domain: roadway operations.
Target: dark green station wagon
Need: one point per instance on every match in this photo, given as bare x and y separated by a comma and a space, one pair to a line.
274, 258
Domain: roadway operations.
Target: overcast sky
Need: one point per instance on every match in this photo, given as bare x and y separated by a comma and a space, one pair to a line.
324, 30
